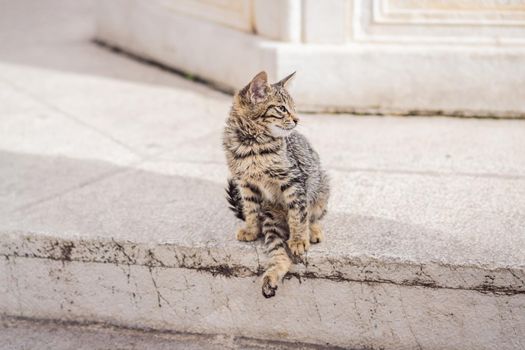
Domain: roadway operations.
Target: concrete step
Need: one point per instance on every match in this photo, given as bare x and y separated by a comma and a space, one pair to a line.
95, 226
112, 210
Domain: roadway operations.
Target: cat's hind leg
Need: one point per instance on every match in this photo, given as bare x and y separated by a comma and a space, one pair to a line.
317, 211
275, 231
251, 201
316, 233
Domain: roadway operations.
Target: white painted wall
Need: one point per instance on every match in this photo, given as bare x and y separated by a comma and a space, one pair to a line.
461, 57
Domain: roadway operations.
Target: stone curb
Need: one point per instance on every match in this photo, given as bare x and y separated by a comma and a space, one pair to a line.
247, 260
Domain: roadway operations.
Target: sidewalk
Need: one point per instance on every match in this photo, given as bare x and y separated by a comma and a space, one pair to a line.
19, 334
112, 209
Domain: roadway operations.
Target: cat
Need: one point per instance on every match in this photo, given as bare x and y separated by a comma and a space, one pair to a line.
277, 185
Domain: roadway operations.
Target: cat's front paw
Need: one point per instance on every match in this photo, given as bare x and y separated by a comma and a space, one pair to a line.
298, 245
246, 235
269, 285
316, 233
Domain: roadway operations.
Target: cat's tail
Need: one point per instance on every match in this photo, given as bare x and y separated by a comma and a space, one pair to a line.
275, 231
234, 198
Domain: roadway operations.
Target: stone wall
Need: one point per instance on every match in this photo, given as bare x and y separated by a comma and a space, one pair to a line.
368, 56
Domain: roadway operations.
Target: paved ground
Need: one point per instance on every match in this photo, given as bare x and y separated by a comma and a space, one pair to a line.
94, 145
18, 334
98, 144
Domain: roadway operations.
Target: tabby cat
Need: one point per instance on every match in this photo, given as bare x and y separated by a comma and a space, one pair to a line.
277, 185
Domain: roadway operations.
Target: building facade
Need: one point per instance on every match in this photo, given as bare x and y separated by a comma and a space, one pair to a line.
462, 57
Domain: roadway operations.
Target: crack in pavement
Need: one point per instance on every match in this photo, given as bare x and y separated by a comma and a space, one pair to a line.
71, 117
239, 271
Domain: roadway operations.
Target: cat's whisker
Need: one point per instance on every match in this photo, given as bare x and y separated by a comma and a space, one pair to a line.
301, 126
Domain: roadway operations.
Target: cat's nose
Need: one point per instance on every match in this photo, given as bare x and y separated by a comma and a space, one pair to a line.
295, 120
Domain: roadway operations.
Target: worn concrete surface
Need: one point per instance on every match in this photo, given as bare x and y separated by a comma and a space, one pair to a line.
23, 334
107, 165
359, 315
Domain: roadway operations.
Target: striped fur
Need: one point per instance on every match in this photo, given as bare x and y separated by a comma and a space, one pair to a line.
234, 199
277, 185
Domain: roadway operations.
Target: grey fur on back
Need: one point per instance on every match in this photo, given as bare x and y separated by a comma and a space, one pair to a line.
306, 168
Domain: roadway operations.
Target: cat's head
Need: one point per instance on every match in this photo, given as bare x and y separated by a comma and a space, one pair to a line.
267, 107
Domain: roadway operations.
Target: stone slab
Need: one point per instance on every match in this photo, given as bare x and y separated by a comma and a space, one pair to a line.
350, 314
23, 334
112, 197
404, 229
142, 163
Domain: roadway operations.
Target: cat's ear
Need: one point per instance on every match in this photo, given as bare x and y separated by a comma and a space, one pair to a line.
258, 90
286, 80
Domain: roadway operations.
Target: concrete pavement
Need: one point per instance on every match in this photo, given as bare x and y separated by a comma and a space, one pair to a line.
23, 334
112, 209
